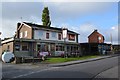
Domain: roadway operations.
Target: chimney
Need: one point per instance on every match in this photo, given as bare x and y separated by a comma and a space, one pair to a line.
18, 25
17, 33
95, 30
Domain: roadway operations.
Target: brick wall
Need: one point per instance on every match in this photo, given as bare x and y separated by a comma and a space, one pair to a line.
96, 37
29, 32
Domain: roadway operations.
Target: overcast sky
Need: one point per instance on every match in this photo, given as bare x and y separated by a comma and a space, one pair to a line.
81, 17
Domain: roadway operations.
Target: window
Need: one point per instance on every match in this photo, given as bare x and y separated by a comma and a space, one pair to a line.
8, 47
25, 34
59, 36
59, 48
72, 37
47, 35
21, 34
17, 47
53, 34
25, 47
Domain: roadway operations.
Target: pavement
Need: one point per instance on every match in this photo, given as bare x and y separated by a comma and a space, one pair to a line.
82, 61
109, 73
37, 64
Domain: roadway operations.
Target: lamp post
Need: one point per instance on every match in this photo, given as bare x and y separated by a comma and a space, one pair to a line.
64, 35
111, 38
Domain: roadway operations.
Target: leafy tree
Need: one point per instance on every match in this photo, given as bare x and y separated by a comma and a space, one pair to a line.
45, 17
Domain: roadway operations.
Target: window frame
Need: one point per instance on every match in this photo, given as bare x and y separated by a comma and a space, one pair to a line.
25, 45
21, 34
59, 36
25, 34
47, 35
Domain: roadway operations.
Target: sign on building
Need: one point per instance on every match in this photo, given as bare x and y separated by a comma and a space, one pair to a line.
64, 33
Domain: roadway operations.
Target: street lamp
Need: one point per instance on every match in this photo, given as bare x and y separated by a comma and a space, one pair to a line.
64, 35
111, 38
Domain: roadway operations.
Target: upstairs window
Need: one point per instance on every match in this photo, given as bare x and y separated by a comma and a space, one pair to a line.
21, 34
59, 36
53, 34
72, 37
47, 35
25, 34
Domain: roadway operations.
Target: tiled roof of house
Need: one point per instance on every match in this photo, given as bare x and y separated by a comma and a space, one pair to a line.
33, 25
95, 31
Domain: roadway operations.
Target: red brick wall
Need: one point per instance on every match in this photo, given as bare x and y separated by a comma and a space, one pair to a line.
29, 32
94, 38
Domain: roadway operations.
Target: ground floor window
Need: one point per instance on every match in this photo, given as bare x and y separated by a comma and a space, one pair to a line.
43, 47
59, 48
17, 47
25, 47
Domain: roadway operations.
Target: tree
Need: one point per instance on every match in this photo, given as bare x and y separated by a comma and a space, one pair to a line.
45, 17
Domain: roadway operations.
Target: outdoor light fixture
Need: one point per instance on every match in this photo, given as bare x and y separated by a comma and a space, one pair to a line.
99, 38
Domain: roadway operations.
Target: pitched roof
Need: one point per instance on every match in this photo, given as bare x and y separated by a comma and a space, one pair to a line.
95, 31
33, 25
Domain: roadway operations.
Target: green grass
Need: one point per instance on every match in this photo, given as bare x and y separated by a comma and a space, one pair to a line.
61, 60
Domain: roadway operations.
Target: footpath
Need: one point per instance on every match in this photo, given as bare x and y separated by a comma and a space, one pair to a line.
82, 61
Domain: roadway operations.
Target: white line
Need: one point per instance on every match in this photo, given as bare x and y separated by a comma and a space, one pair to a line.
17, 70
36, 72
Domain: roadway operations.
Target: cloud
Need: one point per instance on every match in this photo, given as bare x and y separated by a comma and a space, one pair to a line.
60, 0
76, 9
15, 10
85, 30
9, 28
60, 13
111, 32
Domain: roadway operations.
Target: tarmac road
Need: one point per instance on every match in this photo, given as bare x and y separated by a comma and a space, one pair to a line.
89, 70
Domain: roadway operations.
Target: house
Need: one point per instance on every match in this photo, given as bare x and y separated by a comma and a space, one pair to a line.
31, 38
95, 48
95, 44
95, 37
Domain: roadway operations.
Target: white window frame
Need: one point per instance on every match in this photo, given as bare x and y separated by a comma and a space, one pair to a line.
21, 34
25, 34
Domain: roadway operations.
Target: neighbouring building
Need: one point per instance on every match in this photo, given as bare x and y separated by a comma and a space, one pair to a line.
95, 48
31, 38
96, 37
95, 44
116, 48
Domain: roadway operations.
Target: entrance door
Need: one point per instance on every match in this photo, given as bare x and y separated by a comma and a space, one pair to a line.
38, 47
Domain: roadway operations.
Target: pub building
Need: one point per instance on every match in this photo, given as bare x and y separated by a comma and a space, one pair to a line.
31, 38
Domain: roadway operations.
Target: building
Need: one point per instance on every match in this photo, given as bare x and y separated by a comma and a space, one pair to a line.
95, 37
116, 48
95, 48
31, 38
95, 44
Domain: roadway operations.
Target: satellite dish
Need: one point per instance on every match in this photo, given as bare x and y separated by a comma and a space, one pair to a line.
8, 57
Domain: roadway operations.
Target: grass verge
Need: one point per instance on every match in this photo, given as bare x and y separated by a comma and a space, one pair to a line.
61, 60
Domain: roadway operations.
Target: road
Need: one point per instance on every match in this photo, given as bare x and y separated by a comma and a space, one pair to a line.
94, 69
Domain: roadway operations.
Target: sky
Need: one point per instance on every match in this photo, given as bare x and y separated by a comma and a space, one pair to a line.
81, 17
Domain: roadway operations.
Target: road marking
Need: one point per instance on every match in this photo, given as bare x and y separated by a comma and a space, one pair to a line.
51, 68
